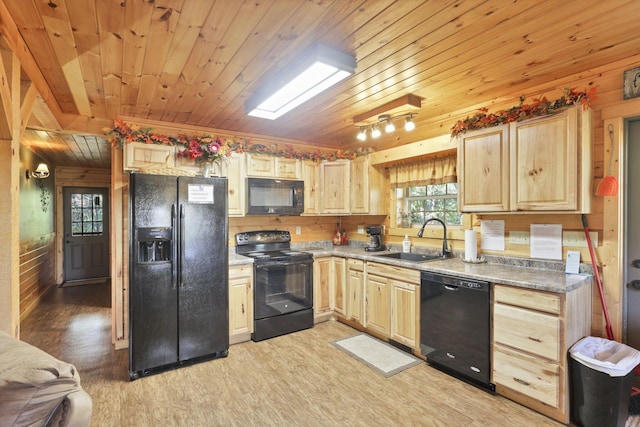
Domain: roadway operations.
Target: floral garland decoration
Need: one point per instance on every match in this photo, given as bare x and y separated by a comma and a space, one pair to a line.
538, 107
213, 148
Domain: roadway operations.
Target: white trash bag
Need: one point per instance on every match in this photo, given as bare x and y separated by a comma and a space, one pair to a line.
601, 354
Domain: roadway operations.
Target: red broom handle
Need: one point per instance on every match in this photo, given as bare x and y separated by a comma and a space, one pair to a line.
596, 274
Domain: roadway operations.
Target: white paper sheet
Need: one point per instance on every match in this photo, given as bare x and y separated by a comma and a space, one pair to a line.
492, 235
546, 241
573, 262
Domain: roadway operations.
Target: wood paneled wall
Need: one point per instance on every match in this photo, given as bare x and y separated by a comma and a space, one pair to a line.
36, 271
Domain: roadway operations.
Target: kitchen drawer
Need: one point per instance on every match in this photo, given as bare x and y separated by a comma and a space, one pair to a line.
243, 271
404, 274
355, 264
534, 300
528, 375
530, 331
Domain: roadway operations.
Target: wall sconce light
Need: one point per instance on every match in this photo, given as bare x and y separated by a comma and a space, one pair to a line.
41, 172
314, 71
404, 107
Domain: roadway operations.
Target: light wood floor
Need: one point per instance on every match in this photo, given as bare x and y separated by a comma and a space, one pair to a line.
297, 379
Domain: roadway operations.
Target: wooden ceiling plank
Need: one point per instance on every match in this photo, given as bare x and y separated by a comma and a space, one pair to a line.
62, 39
462, 57
163, 51
230, 45
327, 28
111, 26
173, 82
297, 26
83, 20
137, 23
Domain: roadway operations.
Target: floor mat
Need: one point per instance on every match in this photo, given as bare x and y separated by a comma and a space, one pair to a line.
379, 355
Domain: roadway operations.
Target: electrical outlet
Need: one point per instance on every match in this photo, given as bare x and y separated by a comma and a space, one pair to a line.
577, 239
298, 229
361, 229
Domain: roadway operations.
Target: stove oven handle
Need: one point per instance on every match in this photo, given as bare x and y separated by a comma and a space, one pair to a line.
278, 264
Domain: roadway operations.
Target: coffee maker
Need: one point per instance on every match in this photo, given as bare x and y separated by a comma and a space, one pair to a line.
374, 235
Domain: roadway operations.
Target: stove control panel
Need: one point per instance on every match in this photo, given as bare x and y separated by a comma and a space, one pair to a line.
263, 236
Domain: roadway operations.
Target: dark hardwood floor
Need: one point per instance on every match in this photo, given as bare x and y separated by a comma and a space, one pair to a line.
297, 379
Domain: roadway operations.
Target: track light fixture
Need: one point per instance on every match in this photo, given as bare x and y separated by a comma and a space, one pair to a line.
389, 127
384, 115
375, 131
409, 124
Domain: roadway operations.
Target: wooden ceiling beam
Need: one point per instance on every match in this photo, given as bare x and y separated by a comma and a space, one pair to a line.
9, 32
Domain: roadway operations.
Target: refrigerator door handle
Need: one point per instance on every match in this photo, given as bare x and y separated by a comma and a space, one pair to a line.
174, 250
181, 246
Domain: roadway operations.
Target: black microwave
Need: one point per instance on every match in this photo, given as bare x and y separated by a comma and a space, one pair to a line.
274, 196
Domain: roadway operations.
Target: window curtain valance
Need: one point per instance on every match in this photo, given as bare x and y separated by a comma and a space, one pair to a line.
425, 172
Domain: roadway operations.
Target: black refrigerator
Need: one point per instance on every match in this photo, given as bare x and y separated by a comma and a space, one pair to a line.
178, 289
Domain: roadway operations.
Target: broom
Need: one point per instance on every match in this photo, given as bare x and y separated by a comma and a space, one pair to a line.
609, 185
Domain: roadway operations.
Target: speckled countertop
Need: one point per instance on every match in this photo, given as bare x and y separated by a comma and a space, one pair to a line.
552, 280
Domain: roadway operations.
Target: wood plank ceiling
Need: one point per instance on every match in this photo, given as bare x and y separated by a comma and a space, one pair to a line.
195, 62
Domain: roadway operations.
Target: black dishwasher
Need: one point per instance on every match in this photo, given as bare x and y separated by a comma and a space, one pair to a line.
455, 326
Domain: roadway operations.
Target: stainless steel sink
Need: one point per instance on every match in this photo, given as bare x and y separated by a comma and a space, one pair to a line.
404, 256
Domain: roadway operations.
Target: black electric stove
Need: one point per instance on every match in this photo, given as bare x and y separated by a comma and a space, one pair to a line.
283, 283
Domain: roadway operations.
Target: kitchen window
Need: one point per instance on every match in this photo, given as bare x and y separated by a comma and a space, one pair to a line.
417, 203
426, 189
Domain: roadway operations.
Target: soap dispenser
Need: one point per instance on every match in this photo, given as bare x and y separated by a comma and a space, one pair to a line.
406, 244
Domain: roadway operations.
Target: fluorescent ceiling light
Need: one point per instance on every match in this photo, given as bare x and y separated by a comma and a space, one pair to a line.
313, 72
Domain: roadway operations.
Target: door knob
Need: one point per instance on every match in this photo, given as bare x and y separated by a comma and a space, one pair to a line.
634, 284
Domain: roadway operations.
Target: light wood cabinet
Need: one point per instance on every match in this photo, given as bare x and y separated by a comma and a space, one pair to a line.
240, 303
335, 194
355, 291
339, 273
367, 188
139, 156
541, 164
287, 168
377, 314
391, 304
322, 288
405, 321
268, 166
260, 165
311, 176
233, 169
483, 170
532, 333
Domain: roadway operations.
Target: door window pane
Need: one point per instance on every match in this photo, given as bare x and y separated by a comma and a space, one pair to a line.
86, 214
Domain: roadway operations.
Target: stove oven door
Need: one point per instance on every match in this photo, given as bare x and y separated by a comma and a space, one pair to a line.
282, 287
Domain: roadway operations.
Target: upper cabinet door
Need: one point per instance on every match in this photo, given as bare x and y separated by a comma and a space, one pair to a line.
334, 179
260, 165
139, 156
483, 170
544, 163
541, 164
